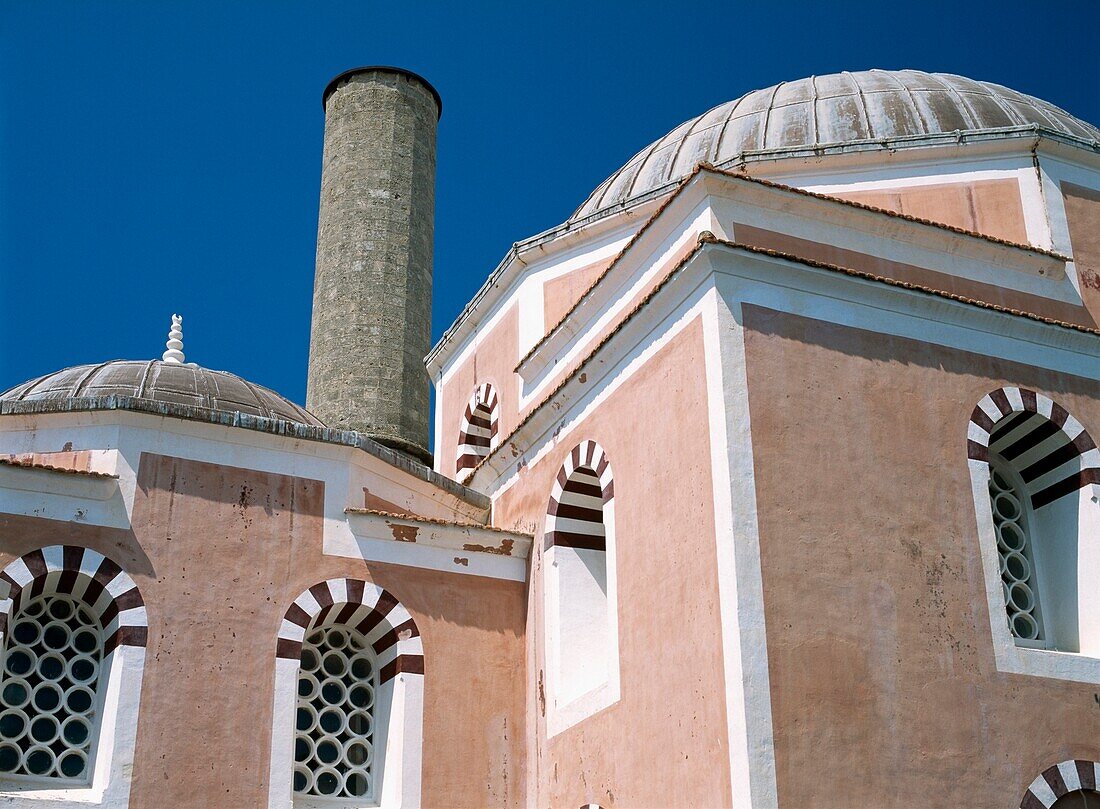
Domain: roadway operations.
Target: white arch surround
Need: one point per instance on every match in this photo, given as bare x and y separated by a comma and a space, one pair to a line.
580, 590
392, 633
1061, 779
115, 600
479, 432
1063, 473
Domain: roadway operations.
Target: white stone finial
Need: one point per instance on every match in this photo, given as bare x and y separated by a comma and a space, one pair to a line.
174, 354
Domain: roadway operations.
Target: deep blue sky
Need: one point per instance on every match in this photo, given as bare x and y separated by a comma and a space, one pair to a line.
159, 157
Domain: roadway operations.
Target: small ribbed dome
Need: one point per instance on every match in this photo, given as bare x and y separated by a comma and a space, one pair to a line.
842, 108
168, 383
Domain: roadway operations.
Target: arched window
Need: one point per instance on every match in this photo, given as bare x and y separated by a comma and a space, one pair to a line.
349, 700
1039, 467
1066, 785
73, 622
334, 740
1078, 799
478, 433
50, 689
1019, 578
581, 618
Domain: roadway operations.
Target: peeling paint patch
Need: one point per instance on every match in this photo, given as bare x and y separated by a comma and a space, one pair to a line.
404, 533
462, 560
505, 548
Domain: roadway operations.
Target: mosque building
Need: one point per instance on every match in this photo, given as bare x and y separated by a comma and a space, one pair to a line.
766, 479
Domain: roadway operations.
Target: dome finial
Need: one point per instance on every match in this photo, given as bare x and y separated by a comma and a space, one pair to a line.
174, 354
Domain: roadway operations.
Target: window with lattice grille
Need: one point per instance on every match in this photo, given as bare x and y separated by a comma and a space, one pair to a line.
49, 690
1019, 582
334, 741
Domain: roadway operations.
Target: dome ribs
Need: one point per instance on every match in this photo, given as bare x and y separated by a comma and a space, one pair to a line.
159, 383
833, 110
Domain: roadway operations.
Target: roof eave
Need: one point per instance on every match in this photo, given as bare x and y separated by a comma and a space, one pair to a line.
272, 426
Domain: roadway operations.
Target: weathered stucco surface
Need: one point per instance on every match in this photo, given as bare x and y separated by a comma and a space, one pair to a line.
899, 271
491, 361
219, 554
372, 297
559, 294
884, 688
664, 742
992, 207
1083, 218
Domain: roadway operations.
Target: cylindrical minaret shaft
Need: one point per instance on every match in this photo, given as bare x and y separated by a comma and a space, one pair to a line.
372, 294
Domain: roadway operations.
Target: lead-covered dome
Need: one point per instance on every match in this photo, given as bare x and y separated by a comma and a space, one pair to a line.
842, 108
173, 384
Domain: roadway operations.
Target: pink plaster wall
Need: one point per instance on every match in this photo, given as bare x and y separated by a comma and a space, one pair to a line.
992, 207
884, 690
219, 554
664, 742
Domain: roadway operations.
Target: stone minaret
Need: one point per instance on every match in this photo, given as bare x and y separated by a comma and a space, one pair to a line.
372, 295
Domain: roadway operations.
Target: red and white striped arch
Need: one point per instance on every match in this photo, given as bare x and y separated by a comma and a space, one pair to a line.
382, 619
395, 638
479, 431
582, 490
1054, 452
1061, 779
86, 575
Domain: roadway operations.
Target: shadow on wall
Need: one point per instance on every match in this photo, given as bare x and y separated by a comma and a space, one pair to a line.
20, 535
903, 351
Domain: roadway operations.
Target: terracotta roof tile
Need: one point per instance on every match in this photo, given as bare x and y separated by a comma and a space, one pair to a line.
709, 238
50, 468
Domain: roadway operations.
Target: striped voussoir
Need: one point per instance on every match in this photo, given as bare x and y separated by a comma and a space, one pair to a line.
582, 489
1058, 780
87, 576
1051, 449
480, 423
383, 621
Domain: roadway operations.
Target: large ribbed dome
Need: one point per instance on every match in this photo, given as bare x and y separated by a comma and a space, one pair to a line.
181, 386
842, 108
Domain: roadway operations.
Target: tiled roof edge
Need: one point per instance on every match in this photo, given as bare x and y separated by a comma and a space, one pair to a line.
281, 427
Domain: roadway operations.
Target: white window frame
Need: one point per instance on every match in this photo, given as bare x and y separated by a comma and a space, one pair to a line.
111, 759
1033, 539
398, 706
1009, 655
560, 714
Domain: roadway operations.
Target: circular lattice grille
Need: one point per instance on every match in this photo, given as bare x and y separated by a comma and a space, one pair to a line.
334, 743
48, 698
1014, 551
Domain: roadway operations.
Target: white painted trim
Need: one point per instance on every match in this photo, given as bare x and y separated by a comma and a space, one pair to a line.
890, 177
345, 471
820, 220
1009, 656
689, 214
59, 496
448, 549
449, 537
399, 735
64, 484
113, 752
1053, 172
790, 286
561, 717
398, 730
555, 246
634, 346
737, 544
